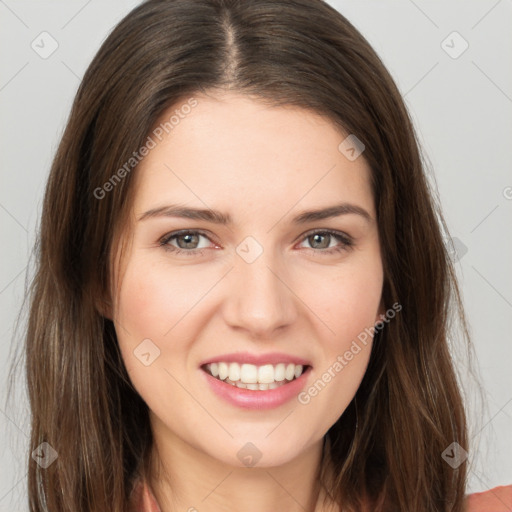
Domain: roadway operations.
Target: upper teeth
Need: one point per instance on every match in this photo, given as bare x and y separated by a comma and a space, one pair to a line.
251, 374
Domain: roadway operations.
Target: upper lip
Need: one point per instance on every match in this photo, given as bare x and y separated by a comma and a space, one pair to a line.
257, 359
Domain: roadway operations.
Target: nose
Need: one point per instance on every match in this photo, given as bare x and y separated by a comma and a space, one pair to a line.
259, 300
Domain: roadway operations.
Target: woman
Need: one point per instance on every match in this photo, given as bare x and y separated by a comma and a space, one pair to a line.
256, 369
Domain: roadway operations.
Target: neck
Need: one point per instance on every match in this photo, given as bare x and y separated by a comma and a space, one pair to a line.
184, 478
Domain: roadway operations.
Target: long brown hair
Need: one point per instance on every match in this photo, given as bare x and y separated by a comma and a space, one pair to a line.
388, 444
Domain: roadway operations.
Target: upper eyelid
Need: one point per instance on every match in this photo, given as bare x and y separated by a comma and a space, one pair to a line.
180, 232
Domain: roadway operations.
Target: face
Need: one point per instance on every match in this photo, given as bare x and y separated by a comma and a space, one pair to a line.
267, 285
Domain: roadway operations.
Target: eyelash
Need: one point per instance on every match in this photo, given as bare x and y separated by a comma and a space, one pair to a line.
346, 241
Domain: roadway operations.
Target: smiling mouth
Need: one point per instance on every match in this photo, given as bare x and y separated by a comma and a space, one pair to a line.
256, 378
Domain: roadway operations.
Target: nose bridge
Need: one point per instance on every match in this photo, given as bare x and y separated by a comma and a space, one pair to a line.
259, 300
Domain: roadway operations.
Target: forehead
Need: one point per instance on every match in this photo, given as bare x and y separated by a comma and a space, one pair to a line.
243, 155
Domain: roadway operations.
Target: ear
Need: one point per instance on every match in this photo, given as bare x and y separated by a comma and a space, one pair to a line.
104, 308
381, 312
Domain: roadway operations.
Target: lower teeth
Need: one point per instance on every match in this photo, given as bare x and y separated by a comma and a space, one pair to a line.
256, 386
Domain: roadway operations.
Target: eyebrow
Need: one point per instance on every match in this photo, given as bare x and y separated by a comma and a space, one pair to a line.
217, 217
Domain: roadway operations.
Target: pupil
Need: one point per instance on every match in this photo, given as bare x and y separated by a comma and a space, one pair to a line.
317, 235
187, 239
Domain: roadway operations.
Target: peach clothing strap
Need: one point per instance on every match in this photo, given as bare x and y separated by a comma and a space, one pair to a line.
498, 499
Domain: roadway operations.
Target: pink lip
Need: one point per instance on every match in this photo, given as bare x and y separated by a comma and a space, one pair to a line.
253, 399
257, 360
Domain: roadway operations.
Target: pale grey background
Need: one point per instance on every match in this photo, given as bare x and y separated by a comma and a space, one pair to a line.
461, 107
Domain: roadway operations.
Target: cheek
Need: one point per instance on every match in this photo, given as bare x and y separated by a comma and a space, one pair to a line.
154, 298
151, 318
351, 305
151, 304
348, 303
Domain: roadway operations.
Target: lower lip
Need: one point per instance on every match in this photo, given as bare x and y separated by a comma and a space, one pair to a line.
254, 399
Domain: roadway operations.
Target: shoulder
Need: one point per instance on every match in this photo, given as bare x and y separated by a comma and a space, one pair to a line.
498, 499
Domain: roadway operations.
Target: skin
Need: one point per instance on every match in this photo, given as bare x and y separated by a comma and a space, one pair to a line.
262, 165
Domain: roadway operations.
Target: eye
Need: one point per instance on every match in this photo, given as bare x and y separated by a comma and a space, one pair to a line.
317, 239
188, 242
